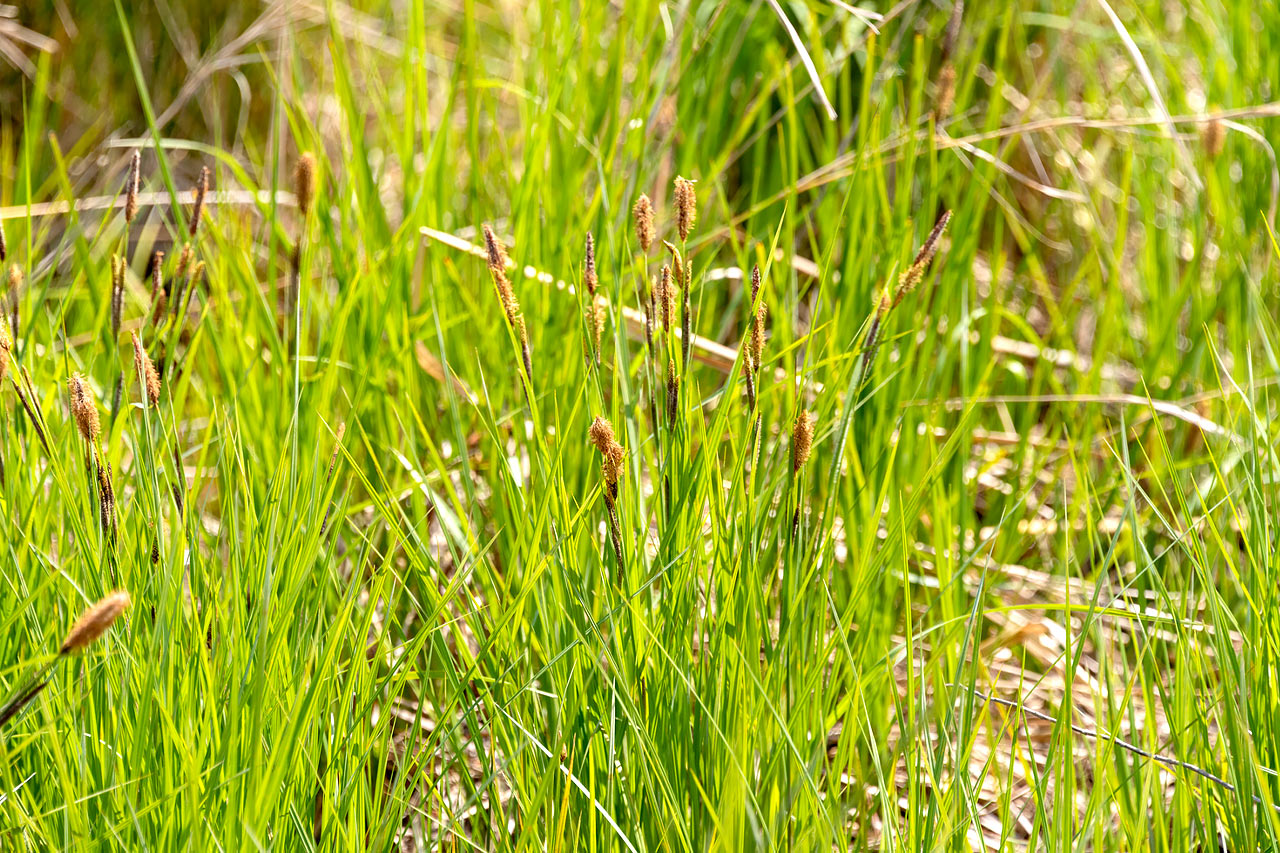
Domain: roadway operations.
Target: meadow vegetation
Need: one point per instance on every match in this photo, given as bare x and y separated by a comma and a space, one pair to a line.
668, 425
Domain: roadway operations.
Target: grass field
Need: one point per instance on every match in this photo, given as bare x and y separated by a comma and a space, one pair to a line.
938, 538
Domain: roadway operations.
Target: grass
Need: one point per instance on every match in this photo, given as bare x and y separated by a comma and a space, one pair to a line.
1022, 595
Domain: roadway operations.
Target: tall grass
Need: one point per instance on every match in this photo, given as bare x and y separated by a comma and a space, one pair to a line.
887, 549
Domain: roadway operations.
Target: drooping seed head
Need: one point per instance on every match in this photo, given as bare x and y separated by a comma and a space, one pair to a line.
677, 263
686, 207
146, 370
589, 277
83, 409
304, 182
198, 194
642, 215
95, 621
914, 273
802, 439
133, 185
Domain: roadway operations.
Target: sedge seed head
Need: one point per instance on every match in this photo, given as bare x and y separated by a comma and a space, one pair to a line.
589, 277
642, 215
666, 296
497, 259
146, 370
946, 92
686, 207
198, 194
95, 621
802, 439
600, 433
757, 335
1214, 137
304, 182
133, 185
83, 409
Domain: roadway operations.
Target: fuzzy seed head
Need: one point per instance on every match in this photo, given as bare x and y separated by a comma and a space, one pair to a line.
1214, 137
95, 621
802, 439
946, 92
198, 194
595, 323
146, 370
83, 409
686, 207
304, 182
133, 185
600, 434
589, 277
914, 273
612, 467
497, 260
4, 246
642, 215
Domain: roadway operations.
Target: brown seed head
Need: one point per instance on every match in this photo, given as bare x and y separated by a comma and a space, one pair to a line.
612, 467
83, 409
157, 275
1214, 137
106, 498
202, 187
184, 262
914, 273
642, 214
673, 392
589, 277
118, 268
686, 207
304, 182
757, 336
666, 297
133, 184
600, 434
497, 259
595, 323
146, 370
677, 263
945, 95
95, 621
802, 439
4, 246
